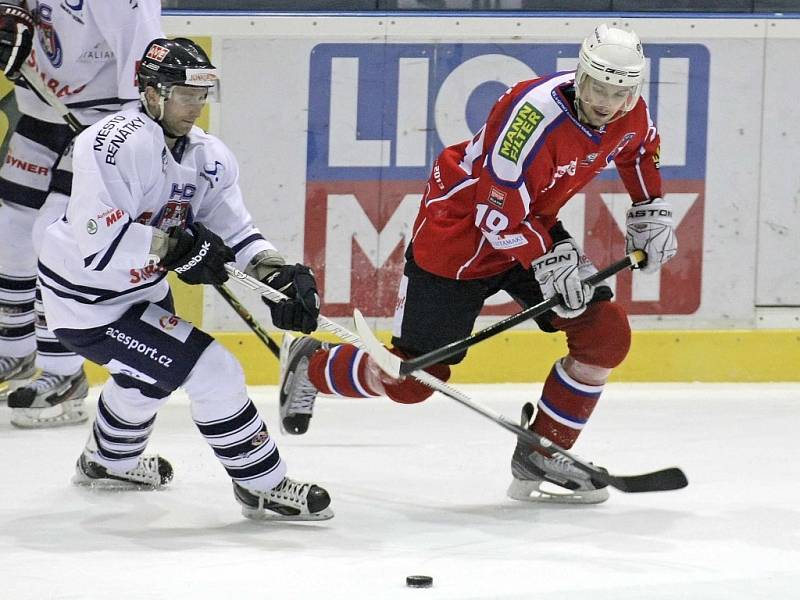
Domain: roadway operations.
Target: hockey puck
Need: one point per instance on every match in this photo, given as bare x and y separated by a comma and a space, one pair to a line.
419, 581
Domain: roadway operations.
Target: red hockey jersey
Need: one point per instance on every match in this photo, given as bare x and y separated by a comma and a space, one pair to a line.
491, 200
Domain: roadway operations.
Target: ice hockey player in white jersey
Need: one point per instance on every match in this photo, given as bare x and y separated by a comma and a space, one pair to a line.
151, 193
86, 52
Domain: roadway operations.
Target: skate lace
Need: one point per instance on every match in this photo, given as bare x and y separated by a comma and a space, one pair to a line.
561, 464
147, 469
47, 381
289, 489
7, 363
304, 393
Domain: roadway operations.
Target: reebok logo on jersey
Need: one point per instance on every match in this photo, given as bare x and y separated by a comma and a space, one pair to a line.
196, 259
520, 131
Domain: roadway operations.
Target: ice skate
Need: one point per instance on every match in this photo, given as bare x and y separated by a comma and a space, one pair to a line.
152, 472
50, 400
297, 393
539, 478
289, 501
14, 372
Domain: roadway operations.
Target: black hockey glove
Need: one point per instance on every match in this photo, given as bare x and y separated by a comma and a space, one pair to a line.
16, 38
300, 311
198, 255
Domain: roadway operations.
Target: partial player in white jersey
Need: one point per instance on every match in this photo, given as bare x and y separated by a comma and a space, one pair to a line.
85, 51
152, 193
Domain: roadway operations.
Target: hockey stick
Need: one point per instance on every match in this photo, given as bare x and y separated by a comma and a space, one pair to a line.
666, 479
249, 319
396, 367
47, 96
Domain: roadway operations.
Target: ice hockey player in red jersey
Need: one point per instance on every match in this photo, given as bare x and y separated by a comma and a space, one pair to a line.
488, 221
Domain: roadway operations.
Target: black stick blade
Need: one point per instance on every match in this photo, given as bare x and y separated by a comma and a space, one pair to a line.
657, 481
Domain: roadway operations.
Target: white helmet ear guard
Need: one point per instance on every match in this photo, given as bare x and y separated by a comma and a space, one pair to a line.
615, 57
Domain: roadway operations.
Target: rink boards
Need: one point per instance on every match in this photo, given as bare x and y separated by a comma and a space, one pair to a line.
336, 120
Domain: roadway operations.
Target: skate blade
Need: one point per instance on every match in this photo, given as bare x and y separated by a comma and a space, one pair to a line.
57, 416
266, 515
542, 492
111, 485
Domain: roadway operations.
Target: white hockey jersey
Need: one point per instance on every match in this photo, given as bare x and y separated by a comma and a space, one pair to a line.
95, 263
86, 52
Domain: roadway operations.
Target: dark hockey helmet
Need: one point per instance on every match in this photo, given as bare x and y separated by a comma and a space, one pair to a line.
180, 61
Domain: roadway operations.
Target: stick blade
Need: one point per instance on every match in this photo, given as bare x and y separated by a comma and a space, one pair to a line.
657, 481
388, 362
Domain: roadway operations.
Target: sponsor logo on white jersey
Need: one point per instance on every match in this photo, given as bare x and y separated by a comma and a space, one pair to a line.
100, 53
24, 165
122, 132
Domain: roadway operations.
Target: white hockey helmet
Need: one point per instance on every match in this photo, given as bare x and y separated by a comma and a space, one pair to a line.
613, 56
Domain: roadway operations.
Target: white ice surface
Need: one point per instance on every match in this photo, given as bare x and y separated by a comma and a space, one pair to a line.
421, 490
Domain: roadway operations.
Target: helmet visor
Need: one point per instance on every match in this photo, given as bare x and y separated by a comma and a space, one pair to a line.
199, 87
188, 96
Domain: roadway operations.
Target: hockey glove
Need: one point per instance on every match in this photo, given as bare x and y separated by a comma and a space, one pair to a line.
650, 227
197, 255
16, 38
300, 311
558, 274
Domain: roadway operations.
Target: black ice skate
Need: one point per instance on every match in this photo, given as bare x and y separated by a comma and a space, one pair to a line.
14, 372
50, 400
289, 501
152, 472
297, 393
539, 478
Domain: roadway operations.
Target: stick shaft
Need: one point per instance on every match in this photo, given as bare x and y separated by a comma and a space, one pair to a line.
435, 356
48, 96
249, 319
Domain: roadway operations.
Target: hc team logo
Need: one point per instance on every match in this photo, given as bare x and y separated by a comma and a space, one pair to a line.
48, 37
378, 119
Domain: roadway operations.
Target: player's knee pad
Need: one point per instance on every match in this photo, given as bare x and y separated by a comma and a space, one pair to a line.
601, 336
216, 378
409, 390
130, 404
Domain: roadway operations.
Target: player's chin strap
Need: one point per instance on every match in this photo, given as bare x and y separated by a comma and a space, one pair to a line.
146, 107
665, 479
158, 119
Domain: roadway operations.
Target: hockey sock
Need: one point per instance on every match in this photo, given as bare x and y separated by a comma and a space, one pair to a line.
244, 447
51, 355
16, 315
565, 407
119, 442
343, 370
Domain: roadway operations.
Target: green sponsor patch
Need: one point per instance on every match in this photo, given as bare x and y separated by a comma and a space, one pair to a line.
520, 131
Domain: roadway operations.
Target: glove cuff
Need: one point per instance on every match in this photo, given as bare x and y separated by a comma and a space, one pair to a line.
264, 264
